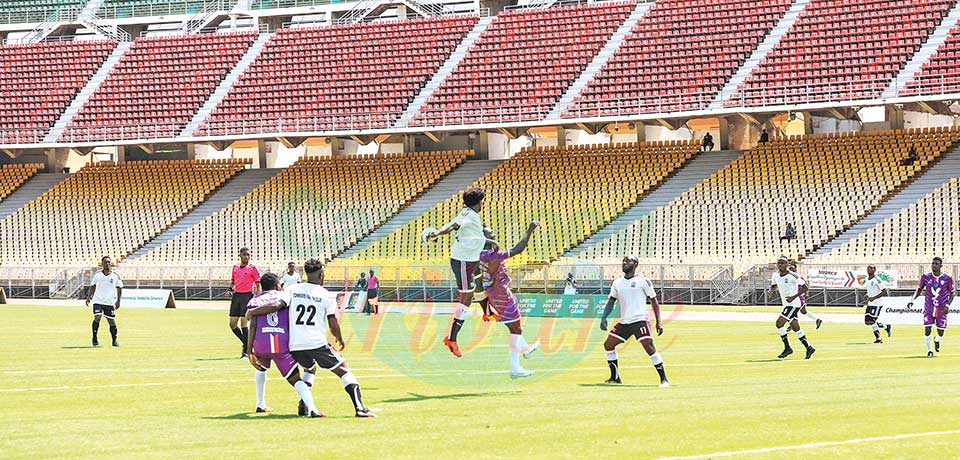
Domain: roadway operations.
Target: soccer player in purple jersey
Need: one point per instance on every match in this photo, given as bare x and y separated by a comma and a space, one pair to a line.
496, 284
938, 288
269, 343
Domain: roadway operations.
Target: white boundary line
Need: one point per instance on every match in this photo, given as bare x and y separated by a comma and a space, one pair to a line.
815, 445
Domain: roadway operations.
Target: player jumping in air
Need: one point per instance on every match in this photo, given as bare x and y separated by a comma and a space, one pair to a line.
632, 291
938, 288
464, 258
496, 283
803, 298
312, 310
105, 290
791, 287
269, 343
875, 291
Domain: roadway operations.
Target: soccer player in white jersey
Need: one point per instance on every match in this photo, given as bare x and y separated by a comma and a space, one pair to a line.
105, 290
312, 310
632, 291
791, 287
290, 277
875, 291
464, 258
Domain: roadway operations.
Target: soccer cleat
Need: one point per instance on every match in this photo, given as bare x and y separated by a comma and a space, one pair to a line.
936, 346
491, 317
664, 384
365, 413
612, 381
116, 343
810, 352
317, 415
929, 354
786, 352
96, 343
819, 322
521, 374
452, 346
243, 355
889, 330
266, 409
533, 348
301, 409
879, 340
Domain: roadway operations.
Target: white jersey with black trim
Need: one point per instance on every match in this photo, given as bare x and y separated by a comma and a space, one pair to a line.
309, 305
632, 293
874, 287
106, 292
788, 286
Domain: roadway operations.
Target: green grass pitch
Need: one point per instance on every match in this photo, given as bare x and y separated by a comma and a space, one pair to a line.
177, 389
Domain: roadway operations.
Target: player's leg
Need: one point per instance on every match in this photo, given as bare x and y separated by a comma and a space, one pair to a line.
352, 386
870, 319
813, 317
288, 367
941, 324
260, 381
927, 329
802, 336
518, 346
244, 332
783, 331
235, 328
463, 273
309, 375
97, 314
646, 339
613, 361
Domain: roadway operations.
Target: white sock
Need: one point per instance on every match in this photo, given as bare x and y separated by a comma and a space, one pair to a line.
260, 378
801, 334
304, 391
656, 359
461, 310
349, 378
522, 345
929, 341
309, 377
936, 338
811, 315
875, 327
514, 362
783, 331
612, 355
514, 343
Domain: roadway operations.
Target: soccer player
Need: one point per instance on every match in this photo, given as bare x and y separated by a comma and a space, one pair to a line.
938, 289
290, 277
790, 286
464, 257
105, 290
803, 297
310, 303
632, 291
875, 291
269, 343
244, 283
373, 293
496, 283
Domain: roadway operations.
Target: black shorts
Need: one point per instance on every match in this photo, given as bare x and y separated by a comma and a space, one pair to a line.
325, 357
790, 313
873, 311
105, 310
373, 293
639, 329
238, 304
464, 272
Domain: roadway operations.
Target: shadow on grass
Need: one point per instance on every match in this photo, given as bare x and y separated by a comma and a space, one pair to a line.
79, 347
614, 385
217, 359
918, 357
270, 416
859, 343
414, 397
774, 360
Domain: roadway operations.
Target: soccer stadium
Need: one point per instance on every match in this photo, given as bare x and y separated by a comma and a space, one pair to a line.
545, 229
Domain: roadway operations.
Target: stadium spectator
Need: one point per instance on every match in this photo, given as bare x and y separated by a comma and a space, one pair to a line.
764, 136
789, 233
361, 283
570, 285
707, 142
911, 158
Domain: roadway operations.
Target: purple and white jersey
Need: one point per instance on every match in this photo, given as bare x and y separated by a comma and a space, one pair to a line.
496, 282
936, 289
271, 335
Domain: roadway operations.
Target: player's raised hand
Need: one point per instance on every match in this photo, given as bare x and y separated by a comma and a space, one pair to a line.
603, 324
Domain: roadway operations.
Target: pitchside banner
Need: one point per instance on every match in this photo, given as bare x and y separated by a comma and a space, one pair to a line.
352, 301
147, 298
850, 279
895, 311
567, 306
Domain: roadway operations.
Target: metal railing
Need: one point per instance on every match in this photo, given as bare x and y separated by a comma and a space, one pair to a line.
42, 30
159, 8
97, 24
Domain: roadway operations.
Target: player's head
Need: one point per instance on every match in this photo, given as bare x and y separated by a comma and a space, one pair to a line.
291, 267
792, 265
473, 198
871, 270
782, 264
936, 265
244, 255
269, 282
490, 236
314, 270
105, 263
629, 263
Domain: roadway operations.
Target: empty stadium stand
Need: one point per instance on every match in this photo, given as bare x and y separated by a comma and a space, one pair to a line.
157, 86
572, 191
523, 63
337, 77
12, 176
841, 50
679, 56
315, 208
941, 74
19, 11
37, 82
107, 209
821, 184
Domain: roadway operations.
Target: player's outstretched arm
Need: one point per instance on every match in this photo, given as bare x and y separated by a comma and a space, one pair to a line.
447, 229
522, 245
916, 294
265, 309
606, 312
334, 326
655, 306
90, 292
119, 296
